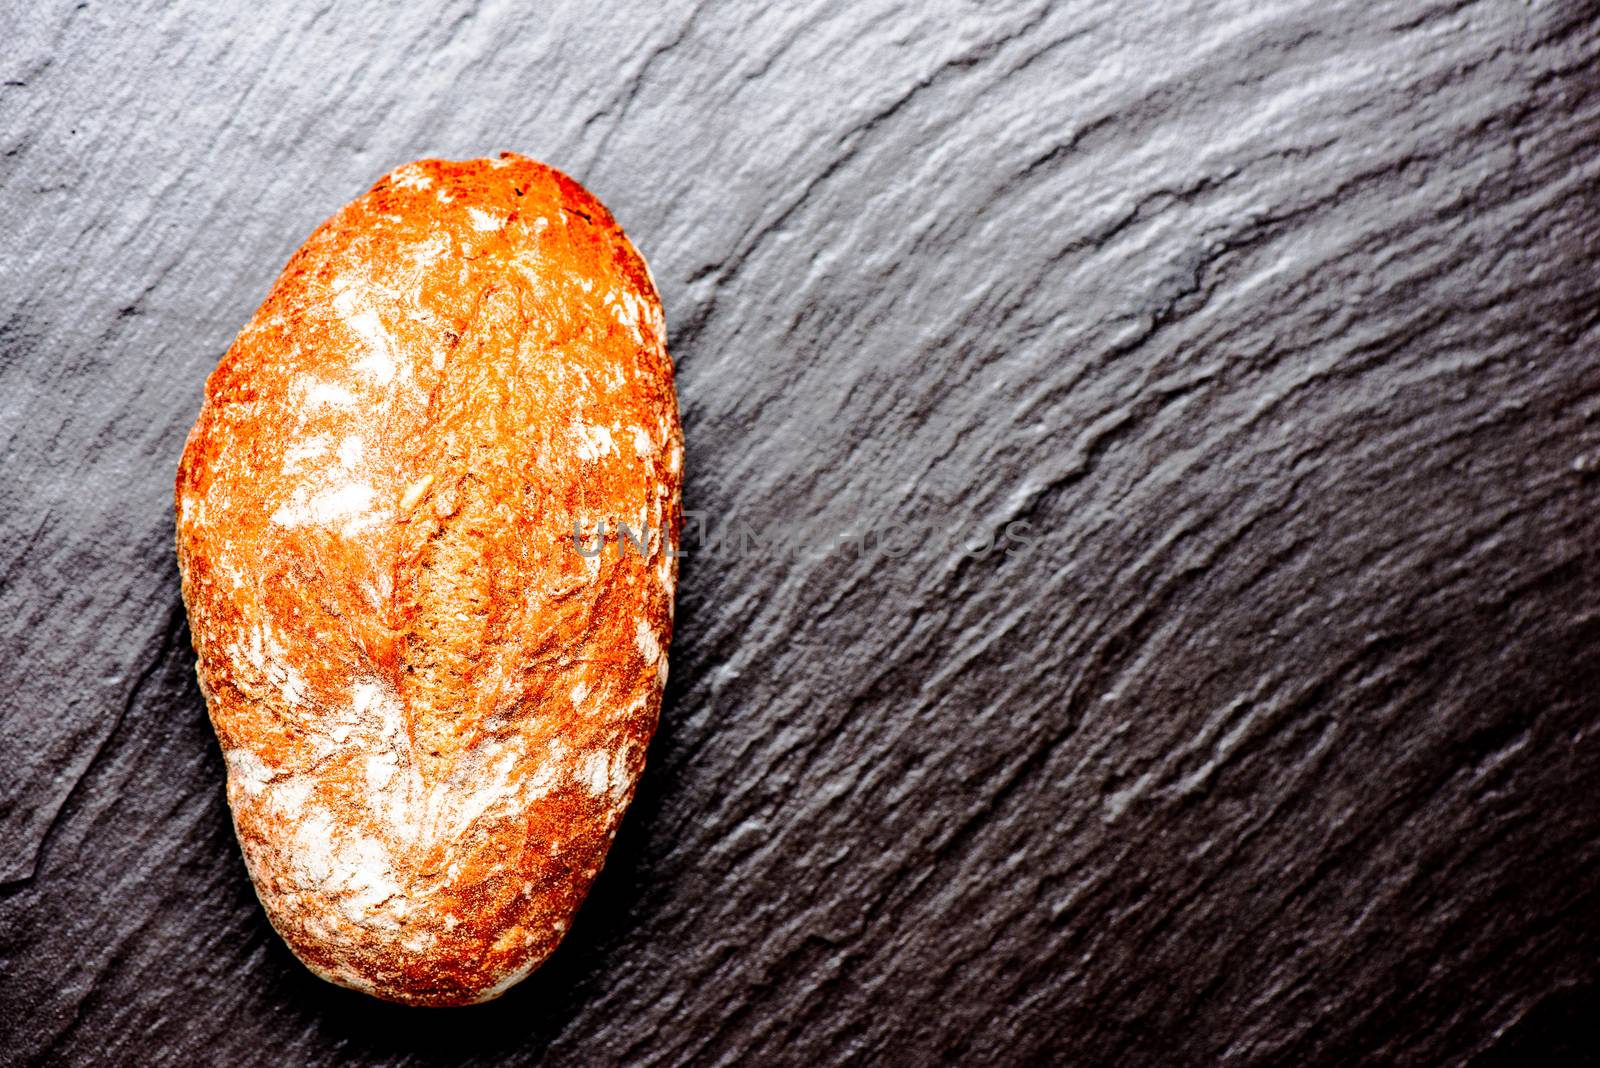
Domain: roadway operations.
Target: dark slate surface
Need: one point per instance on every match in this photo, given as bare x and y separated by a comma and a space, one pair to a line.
1275, 740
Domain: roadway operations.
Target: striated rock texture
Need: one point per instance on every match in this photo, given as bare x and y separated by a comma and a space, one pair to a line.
432, 678
1276, 320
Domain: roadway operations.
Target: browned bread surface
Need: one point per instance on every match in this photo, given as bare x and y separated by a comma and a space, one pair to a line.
434, 708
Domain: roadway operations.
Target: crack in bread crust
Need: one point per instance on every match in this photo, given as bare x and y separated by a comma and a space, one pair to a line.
459, 591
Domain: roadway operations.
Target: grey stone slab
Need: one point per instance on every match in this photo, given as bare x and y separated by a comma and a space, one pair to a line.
1263, 335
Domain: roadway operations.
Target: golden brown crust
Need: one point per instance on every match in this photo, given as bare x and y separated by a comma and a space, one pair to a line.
434, 708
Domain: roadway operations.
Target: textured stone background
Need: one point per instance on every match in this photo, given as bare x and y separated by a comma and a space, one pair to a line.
1278, 323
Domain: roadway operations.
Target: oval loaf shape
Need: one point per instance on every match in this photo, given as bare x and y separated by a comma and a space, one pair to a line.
432, 697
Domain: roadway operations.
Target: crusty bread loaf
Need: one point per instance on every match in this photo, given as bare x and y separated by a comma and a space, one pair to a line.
434, 707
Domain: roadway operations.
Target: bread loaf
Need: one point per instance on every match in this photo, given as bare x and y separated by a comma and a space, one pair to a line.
432, 700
